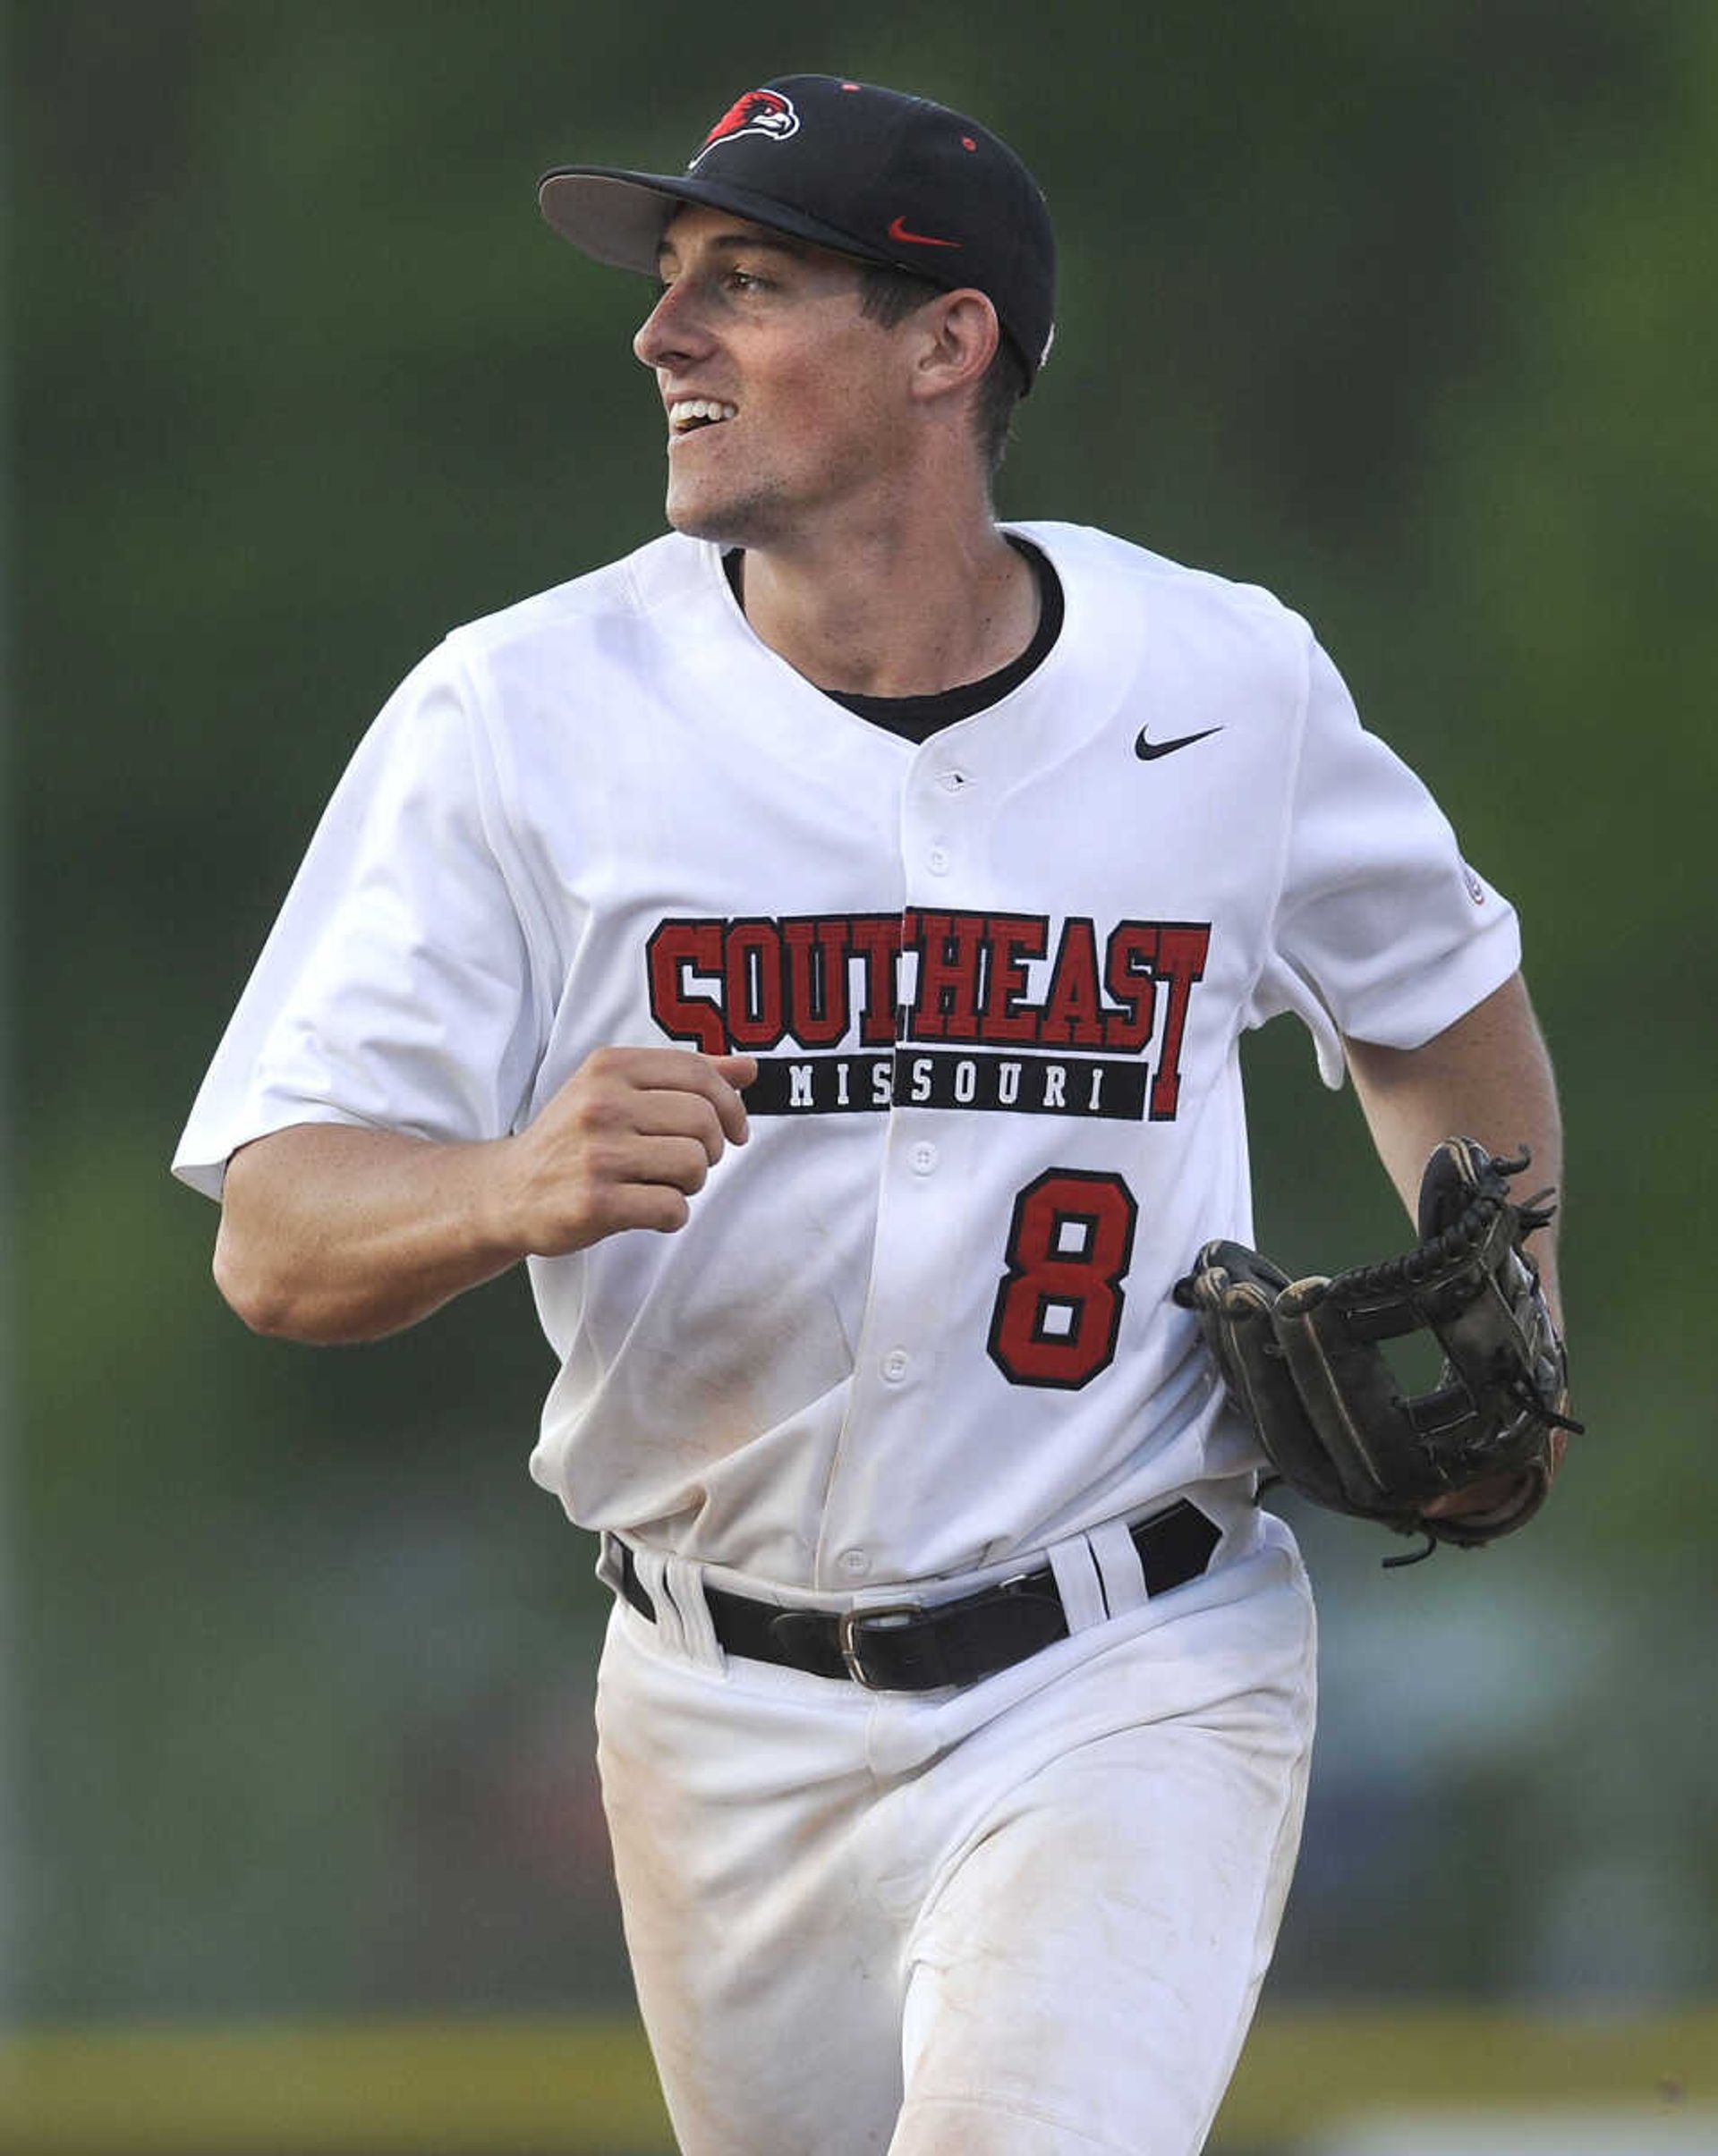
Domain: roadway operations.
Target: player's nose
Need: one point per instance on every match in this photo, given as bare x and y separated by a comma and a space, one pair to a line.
672, 330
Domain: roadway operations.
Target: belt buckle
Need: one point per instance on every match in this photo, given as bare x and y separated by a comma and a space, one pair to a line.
888, 1617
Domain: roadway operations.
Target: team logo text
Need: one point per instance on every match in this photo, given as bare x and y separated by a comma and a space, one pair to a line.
1009, 1012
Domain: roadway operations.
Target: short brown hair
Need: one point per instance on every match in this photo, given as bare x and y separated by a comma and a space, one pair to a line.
887, 295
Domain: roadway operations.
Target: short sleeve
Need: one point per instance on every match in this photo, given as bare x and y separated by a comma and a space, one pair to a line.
1383, 932
395, 989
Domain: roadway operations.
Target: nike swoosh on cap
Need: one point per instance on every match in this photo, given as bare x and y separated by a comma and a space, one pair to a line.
897, 231
1148, 751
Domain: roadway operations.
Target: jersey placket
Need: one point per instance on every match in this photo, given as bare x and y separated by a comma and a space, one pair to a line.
917, 1259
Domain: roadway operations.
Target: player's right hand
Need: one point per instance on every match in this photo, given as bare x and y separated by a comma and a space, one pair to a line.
627, 1142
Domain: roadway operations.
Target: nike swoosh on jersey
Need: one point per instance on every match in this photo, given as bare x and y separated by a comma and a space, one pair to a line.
897, 231
1148, 752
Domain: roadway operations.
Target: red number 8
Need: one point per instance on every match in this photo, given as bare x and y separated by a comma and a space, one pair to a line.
1059, 1307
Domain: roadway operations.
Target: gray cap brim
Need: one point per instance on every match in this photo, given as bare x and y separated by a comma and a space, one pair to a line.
619, 217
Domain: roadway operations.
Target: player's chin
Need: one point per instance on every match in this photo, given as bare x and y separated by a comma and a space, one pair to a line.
702, 513
712, 495
694, 509
694, 520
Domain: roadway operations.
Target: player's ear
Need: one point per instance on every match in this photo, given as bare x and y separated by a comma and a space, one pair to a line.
956, 338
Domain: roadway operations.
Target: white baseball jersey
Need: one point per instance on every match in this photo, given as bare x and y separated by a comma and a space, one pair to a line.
996, 985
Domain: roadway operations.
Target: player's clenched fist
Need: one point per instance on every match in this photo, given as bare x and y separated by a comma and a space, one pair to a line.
626, 1141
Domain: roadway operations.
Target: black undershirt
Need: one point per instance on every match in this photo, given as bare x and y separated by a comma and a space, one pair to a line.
917, 717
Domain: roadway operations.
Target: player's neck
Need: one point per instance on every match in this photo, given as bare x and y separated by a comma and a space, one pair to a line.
894, 614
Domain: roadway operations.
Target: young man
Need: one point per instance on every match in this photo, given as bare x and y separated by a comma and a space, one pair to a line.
818, 946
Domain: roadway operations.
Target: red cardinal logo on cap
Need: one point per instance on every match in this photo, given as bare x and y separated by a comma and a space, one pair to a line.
760, 111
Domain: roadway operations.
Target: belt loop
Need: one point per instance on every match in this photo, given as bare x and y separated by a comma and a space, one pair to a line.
1078, 1584
649, 1568
682, 1620
1119, 1566
684, 1583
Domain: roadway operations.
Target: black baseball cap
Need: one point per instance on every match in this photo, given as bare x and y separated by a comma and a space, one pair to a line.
865, 172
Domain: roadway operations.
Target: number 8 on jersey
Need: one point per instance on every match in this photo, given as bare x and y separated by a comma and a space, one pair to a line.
1058, 1305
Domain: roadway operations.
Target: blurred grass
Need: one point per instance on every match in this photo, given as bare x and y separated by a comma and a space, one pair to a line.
551, 2086
555, 2087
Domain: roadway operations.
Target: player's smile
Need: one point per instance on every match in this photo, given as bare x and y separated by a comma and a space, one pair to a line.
690, 415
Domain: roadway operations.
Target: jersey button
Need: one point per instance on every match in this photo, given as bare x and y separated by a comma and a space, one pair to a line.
894, 1364
854, 1563
925, 1158
937, 860
951, 782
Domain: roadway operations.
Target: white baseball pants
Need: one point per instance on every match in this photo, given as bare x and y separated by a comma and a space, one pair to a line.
1027, 1919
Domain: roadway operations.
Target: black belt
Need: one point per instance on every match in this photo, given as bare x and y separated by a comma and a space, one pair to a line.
914, 1647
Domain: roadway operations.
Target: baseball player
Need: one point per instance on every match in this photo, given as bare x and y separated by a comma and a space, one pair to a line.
817, 945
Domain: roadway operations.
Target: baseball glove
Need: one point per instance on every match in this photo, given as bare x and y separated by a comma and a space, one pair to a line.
1304, 1361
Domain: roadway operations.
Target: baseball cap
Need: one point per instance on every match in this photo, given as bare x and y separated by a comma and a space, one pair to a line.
865, 172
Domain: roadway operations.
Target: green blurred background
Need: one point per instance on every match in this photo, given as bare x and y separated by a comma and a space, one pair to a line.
1406, 313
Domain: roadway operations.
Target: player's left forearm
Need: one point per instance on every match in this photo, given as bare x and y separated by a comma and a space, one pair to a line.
1489, 1077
